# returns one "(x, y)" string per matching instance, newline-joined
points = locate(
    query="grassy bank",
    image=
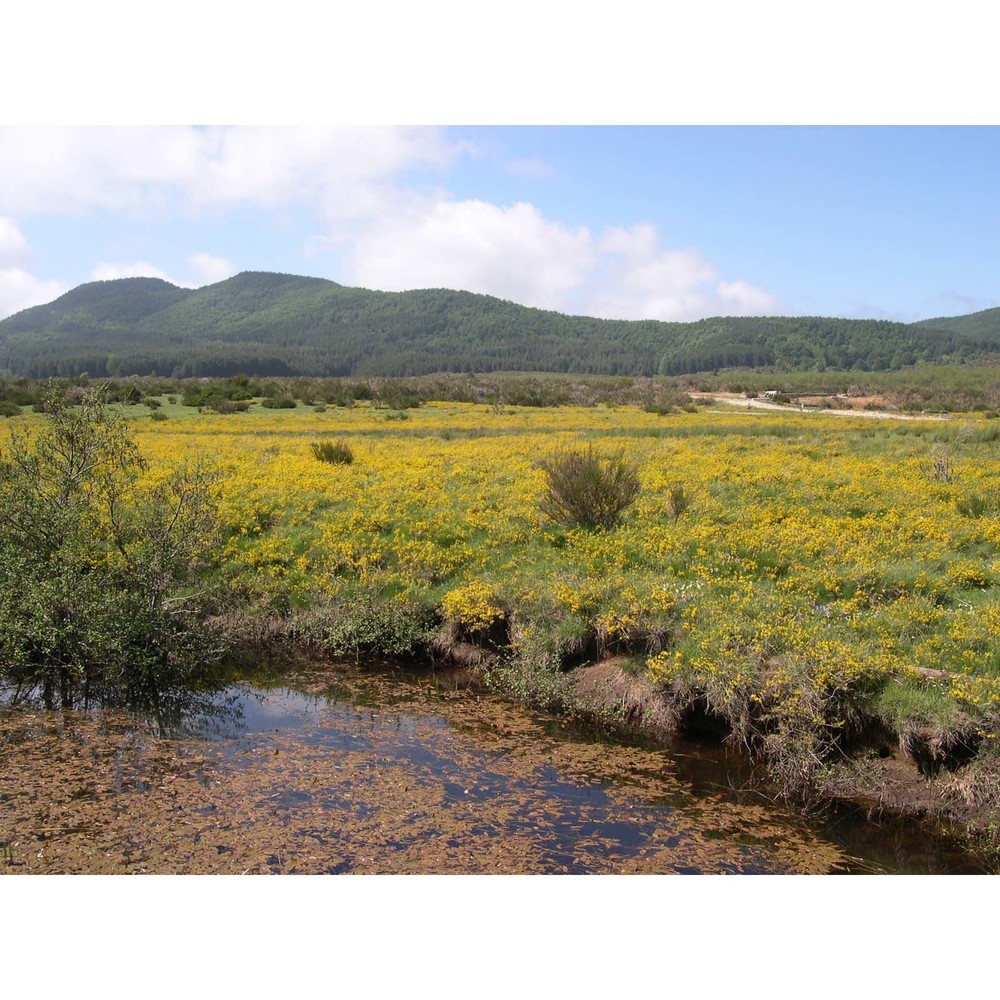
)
(823, 589)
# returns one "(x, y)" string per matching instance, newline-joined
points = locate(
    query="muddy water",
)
(346, 770)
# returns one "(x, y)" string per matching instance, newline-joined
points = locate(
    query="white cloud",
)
(139, 169)
(516, 253)
(14, 247)
(640, 279)
(513, 252)
(135, 269)
(342, 170)
(744, 299)
(208, 270)
(21, 290)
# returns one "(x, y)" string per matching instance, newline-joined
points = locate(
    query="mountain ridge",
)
(273, 323)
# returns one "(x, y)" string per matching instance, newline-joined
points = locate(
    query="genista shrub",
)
(587, 490)
(334, 452)
(678, 500)
(818, 554)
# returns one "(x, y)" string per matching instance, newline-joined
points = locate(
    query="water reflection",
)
(169, 711)
(366, 771)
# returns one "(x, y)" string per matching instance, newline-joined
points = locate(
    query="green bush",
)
(678, 500)
(9, 409)
(220, 404)
(588, 490)
(334, 452)
(366, 622)
(395, 398)
(972, 505)
(279, 403)
(96, 572)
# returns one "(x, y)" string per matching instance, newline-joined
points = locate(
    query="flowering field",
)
(810, 547)
(797, 573)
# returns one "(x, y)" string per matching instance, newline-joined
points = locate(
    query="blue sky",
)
(662, 222)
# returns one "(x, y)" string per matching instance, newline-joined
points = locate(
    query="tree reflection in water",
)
(168, 709)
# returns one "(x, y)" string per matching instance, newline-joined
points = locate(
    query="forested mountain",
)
(982, 326)
(280, 324)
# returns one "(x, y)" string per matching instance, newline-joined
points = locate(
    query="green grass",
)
(905, 703)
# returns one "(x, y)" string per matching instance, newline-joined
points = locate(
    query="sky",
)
(628, 222)
(750, 159)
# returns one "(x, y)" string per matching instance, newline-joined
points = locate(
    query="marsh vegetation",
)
(823, 590)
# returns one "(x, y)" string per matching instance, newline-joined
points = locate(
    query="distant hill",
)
(983, 326)
(281, 324)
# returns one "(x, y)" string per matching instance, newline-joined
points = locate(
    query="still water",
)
(352, 770)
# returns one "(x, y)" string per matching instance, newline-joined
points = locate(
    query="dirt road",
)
(738, 399)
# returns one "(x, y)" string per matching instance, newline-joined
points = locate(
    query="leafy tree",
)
(95, 565)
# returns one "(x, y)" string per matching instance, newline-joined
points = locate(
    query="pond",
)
(348, 769)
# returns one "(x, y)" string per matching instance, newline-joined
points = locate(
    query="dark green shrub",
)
(99, 576)
(219, 404)
(972, 505)
(157, 415)
(678, 500)
(9, 409)
(279, 403)
(339, 399)
(21, 395)
(588, 490)
(334, 452)
(395, 398)
(366, 622)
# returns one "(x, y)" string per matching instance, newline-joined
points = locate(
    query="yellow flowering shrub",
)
(817, 553)
(475, 605)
